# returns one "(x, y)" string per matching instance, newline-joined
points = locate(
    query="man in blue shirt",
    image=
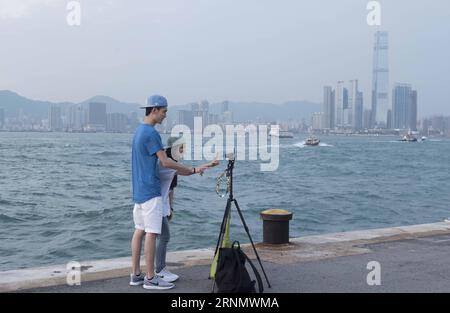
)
(147, 214)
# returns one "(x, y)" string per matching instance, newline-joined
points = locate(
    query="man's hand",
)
(213, 163)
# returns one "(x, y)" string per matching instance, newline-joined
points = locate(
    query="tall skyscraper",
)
(117, 122)
(413, 111)
(97, 116)
(317, 121)
(227, 114)
(380, 80)
(367, 118)
(355, 106)
(328, 107)
(186, 117)
(199, 110)
(225, 106)
(54, 118)
(404, 107)
(76, 119)
(204, 106)
(358, 111)
(339, 104)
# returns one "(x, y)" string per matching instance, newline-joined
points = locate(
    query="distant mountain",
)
(242, 111)
(13, 103)
(113, 105)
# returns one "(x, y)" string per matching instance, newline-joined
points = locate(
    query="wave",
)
(109, 153)
(302, 144)
(17, 203)
(8, 219)
(6, 202)
(98, 213)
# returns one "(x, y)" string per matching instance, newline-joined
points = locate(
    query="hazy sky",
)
(246, 50)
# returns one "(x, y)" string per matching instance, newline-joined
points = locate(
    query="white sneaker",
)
(167, 276)
(157, 283)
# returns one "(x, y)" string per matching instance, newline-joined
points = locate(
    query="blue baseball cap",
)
(155, 101)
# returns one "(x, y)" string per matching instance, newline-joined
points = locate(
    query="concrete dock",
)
(400, 259)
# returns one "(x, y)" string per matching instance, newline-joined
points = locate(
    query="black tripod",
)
(226, 216)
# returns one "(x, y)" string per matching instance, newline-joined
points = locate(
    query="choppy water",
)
(67, 196)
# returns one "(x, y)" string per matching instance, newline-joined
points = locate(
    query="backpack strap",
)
(236, 256)
(258, 277)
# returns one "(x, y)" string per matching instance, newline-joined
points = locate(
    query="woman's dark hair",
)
(169, 153)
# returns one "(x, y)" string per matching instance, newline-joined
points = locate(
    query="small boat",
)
(312, 141)
(408, 138)
(424, 138)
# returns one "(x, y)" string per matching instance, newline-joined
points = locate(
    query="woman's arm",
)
(210, 164)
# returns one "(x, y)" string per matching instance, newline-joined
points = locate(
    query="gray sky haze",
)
(247, 50)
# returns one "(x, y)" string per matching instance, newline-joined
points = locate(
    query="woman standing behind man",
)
(168, 178)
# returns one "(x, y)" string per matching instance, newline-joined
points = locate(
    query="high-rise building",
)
(355, 108)
(76, 118)
(339, 104)
(437, 123)
(367, 119)
(389, 120)
(413, 111)
(380, 80)
(2, 118)
(204, 107)
(316, 122)
(225, 106)
(404, 107)
(352, 96)
(134, 120)
(54, 118)
(328, 108)
(117, 122)
(227, 114)
(195, 108)
(97, 116)
(199, 110)
(213, 118)
(358, 111)
(186, 117)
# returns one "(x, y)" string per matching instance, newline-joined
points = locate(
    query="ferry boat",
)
(312, 141)
(409, 138)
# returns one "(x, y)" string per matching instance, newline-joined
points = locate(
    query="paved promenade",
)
(411, 259)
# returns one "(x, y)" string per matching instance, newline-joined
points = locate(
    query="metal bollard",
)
(276, 226)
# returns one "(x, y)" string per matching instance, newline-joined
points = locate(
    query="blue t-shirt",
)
(145, 171)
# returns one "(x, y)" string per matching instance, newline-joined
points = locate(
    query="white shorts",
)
(147, 216)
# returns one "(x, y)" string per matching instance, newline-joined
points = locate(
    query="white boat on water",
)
(408, 138)
(312, 141)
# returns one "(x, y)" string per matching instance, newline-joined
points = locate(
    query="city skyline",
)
(98, 117)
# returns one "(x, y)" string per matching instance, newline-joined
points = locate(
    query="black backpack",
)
(231, 274)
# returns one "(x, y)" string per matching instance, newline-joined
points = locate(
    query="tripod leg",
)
(219, 241)
(223, 225)
(253, 245)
